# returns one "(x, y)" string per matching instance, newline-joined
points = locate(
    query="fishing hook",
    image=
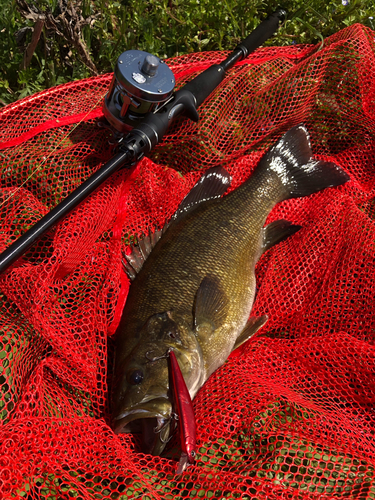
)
(156, 358)
(158, 430)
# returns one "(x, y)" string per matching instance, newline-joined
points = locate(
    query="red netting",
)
(292, 413)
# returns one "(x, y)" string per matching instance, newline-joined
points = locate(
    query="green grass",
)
(164, 27)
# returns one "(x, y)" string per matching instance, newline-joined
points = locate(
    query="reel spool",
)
(141, 83)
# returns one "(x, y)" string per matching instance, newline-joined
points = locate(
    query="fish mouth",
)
(152, 419)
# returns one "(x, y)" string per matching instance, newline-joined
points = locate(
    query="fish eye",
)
(135, 377)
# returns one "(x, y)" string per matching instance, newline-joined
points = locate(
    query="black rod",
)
(146, 135)
(26, 240)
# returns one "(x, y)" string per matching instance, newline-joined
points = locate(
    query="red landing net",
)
(292, 413)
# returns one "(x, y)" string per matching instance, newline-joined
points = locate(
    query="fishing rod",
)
(139, 108)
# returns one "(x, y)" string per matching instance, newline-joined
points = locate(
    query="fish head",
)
(141, 399)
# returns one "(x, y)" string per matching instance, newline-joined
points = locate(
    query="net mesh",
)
(292, 413)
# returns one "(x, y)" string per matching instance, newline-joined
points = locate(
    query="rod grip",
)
(262, 32)
(203, 84)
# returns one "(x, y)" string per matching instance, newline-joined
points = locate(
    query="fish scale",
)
(193, 293)
(168, 290)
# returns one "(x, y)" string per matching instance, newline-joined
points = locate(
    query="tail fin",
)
(291, 160)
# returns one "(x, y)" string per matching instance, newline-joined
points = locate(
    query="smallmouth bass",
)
(194, 286)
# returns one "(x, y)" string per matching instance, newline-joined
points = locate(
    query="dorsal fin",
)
(133, 261)
(211, 185)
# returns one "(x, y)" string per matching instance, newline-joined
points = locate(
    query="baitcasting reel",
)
(141, 84)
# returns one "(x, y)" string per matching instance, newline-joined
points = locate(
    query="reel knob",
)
(150, 65)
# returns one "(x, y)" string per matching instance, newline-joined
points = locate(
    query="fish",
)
(193, 283)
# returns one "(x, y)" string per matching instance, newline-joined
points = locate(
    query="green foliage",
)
(163, 27)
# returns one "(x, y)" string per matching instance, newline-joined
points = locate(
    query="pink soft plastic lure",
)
(185, 412)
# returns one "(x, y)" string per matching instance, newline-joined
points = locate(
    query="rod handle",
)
(262, 32)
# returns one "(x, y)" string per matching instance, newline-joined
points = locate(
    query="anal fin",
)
(277, 231)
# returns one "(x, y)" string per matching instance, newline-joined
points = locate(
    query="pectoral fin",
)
(252, 326)
(211, 306)
(276, 232)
